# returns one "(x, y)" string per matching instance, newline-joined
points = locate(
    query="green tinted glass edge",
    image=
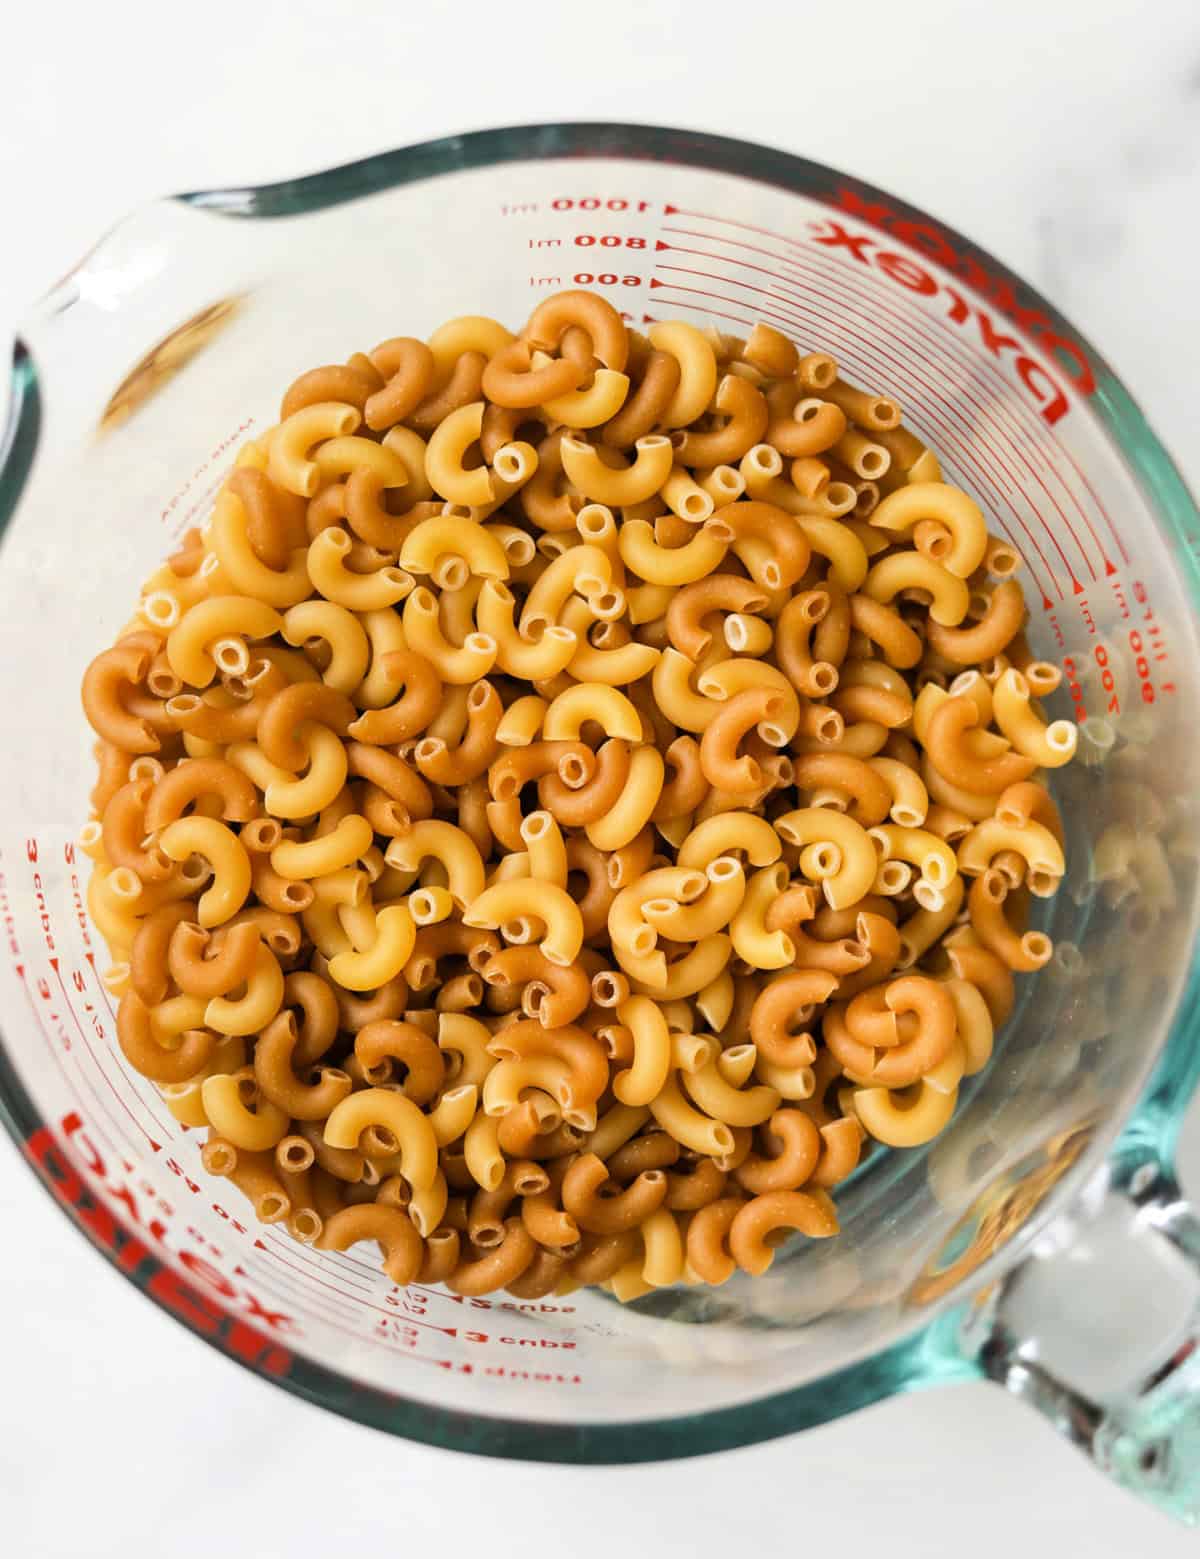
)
(931, 1355)
(19, 436)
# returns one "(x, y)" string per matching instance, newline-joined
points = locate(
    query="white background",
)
(1062, 134)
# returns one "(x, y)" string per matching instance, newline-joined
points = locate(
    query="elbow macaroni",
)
(609, 723)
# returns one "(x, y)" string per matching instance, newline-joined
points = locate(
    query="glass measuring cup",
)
(1041, 1240)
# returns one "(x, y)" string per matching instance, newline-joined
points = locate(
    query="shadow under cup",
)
(136, 381)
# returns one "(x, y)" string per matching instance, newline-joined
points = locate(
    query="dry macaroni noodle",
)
(395, 987)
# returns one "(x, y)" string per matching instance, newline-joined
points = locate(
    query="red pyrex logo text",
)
(129, 1252)
(1044, 388)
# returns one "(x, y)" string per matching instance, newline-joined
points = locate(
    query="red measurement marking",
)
(305, 1302)
(1010, 410)
(999, 409)
(836, 235)
(155, 1146)
(746, 227)
(1072, 680)
(344, 1258)
(606, 279)
(79, 910)
(914, 317)
(1116, 534)
(944, 326)
(134, 1082)
(957, 314)
(904, 372)
(192, 1304)
(214, 454)
(1107, 681)
(498, 1370)
(297, 1248)
(901, 365)
(715, 238)
(311, 1277)
(974, 363)
(1154, 645)
(949, 418)
(883, 352)
(1051, 399)
(169, 1129)
(717, 313)
(46, 920)
(518, 1342)
(137, 1085)
(605, 240)
(970, 439)
(410, 1319)
(530, 1307)
(393, 1328)
(998, 291)
(108, 1135)
(100, 985)
(948, 438)
(707, 254)
(448, 1331)
(404, 1299)
(299, 1292)
(597, 202)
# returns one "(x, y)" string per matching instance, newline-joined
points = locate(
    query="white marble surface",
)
(1066, 138)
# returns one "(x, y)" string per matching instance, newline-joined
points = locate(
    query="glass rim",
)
(928, 1351)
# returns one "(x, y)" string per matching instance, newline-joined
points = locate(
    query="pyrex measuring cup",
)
(1040, 1240)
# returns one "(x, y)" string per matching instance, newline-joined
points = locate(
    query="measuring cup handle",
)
(1100, 1331)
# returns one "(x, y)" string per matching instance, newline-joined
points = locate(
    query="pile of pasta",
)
(576, 793)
